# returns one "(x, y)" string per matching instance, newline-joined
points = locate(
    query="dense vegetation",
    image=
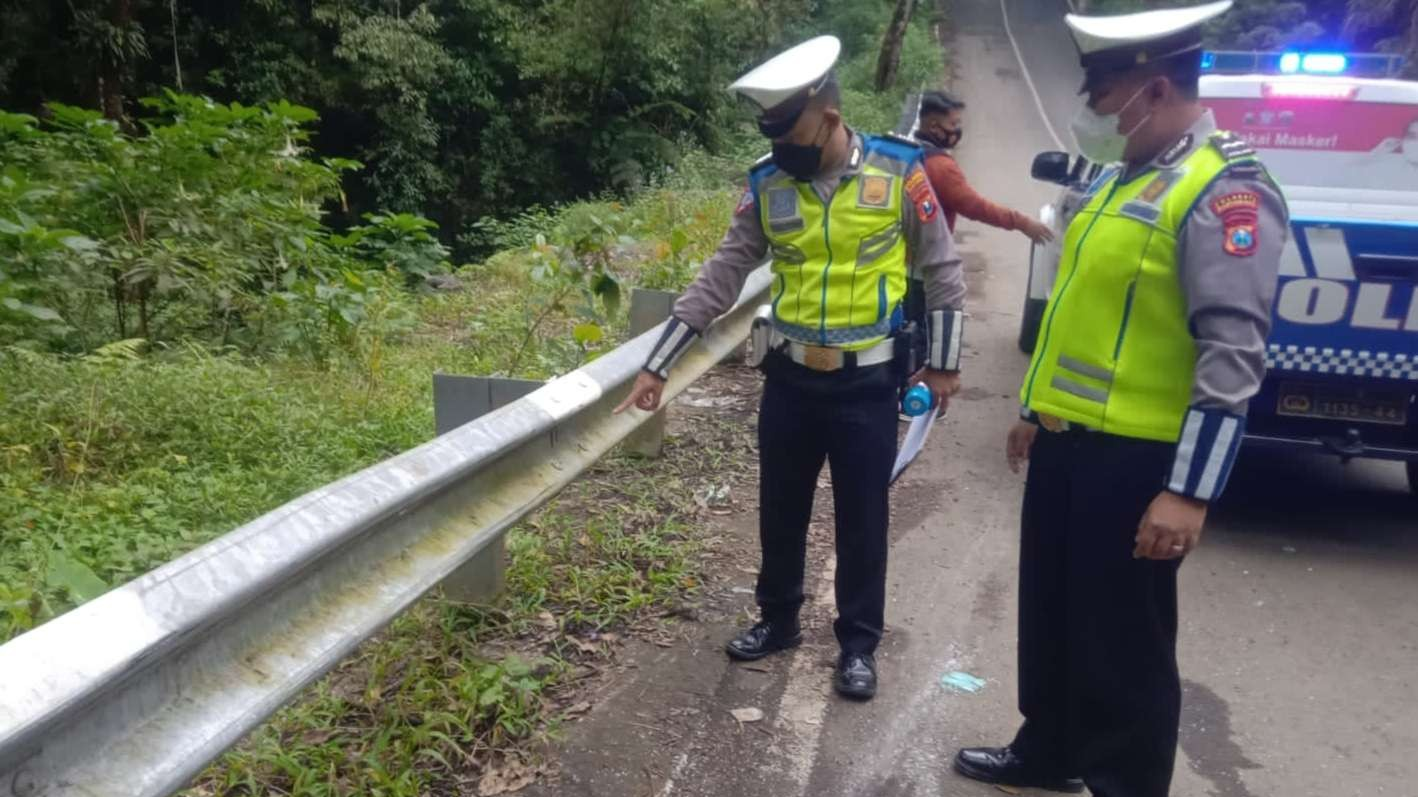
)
(459, 109)
(193, 329)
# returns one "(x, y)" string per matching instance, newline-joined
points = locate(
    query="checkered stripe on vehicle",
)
(1346, 362)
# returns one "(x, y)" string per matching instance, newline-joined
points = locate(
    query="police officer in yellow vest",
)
(846, 216)
(1134, 406)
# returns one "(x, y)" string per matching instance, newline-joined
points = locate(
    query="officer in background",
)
(844, 215)
(941, 126)
(1134, 406)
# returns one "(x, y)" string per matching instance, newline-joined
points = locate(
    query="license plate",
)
(1313, 401)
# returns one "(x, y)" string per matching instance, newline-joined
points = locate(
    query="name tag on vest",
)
(783, 213)
(1141, 211)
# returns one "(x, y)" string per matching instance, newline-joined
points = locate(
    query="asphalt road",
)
(1299, 641)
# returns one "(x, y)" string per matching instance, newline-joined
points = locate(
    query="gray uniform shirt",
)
(930, 251)
(1228, 294)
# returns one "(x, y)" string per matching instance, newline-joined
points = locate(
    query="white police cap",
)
(782, 85)
(1117, 43)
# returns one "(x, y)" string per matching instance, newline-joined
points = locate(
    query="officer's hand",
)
(1171, 527)
(645, 394)
(1017, 445)
(1037, 231)
(942, 384)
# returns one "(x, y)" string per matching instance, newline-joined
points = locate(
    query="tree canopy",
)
(457, 108)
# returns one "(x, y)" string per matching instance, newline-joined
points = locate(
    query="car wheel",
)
(1412, 475)
(1029, 323)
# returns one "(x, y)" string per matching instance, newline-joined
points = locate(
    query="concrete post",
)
(456, 401)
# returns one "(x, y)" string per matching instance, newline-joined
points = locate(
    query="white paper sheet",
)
(915, 440)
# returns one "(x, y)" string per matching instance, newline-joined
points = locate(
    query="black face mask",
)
(950, 140)
(800, 161)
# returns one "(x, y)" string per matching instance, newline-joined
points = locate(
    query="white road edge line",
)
(802, 708)
(1029, 81)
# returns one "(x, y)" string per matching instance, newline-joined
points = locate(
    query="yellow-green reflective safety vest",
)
(839, 267)
(1115, 352)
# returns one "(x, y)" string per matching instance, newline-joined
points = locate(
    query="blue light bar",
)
(1298, 62)
(1324, 63)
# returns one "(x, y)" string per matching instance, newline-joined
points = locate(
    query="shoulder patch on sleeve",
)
(916, 183)
(1239, 212)
(745, 202)
(918, 190)
(1235, 201)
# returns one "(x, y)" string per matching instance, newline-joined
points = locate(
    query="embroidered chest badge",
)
(1238, 212)
(874, 192)
(782, 203)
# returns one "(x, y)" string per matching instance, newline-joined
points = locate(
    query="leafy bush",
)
(208, 226)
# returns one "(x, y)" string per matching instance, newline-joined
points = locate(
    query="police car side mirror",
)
(1051, 167)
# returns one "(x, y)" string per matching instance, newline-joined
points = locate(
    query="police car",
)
(1340, 135)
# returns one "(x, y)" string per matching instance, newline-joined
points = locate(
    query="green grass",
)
(452, 689)
(115, 463)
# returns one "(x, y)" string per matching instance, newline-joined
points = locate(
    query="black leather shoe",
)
(856, 676)
(1001, 766)
(762, 639)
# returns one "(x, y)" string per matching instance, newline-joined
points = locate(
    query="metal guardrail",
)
(910, 118)
(135, 692)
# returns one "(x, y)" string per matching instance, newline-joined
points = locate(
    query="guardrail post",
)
(460, 399)
(456, 401)
(647, 309)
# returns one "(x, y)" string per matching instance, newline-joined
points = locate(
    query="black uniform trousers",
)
(848, 418)
(1098, 681)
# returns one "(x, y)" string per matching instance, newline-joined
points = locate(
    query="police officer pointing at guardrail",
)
(846, 217)
(1134, 404)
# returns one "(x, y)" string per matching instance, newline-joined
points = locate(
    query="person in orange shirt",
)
(940, 130)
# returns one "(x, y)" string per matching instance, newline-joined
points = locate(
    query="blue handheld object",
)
(918, 401)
